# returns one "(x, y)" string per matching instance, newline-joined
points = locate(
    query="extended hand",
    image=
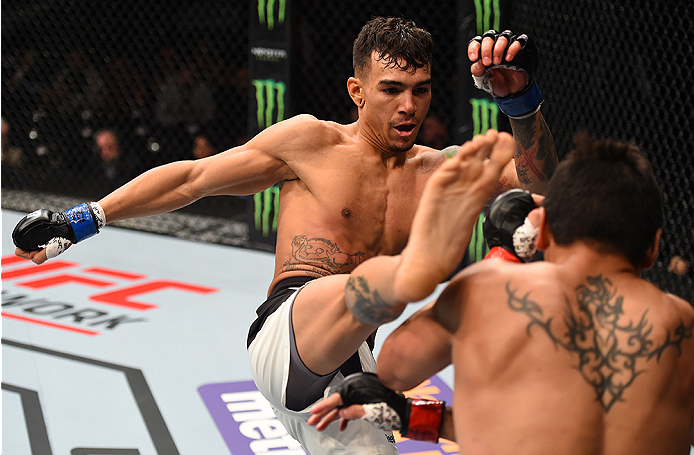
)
(327, 411)
(43, 234)
(387, 410)
(504, 65)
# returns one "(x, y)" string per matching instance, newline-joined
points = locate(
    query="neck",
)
(582, 256)
(374, 142)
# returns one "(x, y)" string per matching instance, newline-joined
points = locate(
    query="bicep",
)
(416, 350)
(254, 166)
(240, 171)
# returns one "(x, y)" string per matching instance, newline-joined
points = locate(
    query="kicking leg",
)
(380, 288)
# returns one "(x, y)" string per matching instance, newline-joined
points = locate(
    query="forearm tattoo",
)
(611, 349)
(535, 154)
(366, 304)
(320, 257)
(502, 186)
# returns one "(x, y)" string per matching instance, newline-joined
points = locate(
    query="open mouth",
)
(405, 129)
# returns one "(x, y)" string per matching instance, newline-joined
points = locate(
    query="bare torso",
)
(348, 204)
(603, 348)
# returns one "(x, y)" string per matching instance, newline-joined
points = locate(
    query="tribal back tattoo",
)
(611, 348)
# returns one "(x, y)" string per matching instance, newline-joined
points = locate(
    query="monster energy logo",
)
(266, 12)
(483, 12)
(267, 204)
(269, 96)
(478, 248)
(484, 115)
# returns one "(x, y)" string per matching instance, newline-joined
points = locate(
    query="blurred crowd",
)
(87, 124)
(94, 122)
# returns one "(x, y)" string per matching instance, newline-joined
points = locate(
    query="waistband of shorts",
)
(279, 295)
(288, 283)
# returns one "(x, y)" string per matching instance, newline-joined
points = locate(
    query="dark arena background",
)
(174, 78)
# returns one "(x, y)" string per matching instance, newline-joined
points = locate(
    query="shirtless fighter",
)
(573, 355)
(348, 193)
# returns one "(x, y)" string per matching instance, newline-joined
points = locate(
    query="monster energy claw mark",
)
(266, 204)
(268, 95)
(266, 12)
(478, 248)
(484, 115)
(483, 12)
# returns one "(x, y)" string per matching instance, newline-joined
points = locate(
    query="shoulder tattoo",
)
(611, 348)
(450, 151)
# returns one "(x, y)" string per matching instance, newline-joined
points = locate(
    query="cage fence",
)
(95, 93)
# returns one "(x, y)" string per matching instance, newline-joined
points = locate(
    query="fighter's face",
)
(395, 104)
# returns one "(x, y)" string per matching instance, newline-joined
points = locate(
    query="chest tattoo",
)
(321, 253)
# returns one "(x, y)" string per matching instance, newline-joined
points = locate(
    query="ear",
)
(544, 236)
(356, 91)
(652, 253)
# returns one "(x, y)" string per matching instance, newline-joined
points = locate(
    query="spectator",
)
(678, 265)
(185, 99)
(11, 155)
(167, 64)
(183, 105)
(24, 84)
(76, 87)
(75, 96)
(111, 167)
(126, 89)
(435, 131)
(202, 147)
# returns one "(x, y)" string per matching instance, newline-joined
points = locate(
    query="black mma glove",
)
(526, 102)
(58, 230)
(387, 410)
(508, 233)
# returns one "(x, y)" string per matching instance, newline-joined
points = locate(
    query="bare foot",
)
(452, 200)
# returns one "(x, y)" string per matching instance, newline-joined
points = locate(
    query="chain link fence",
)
(623, 70)
(169, 80)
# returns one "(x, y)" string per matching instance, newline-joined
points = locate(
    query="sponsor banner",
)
(246, 421)
(266, 210)
(476, 112)
(248, 426)
(269, 90)
(117, 297)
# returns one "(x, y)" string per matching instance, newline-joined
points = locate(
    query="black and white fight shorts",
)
(291, 388)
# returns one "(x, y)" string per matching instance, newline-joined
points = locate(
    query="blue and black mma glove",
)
(56, 231)
(388, 410)
(527, 101)
(508, 232)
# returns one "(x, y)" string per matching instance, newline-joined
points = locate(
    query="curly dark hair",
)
(605, 192)
(397, 41)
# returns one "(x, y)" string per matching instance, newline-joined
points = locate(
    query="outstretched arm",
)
(246, 169)
(504, 65)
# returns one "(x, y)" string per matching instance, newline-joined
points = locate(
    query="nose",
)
(407, 105)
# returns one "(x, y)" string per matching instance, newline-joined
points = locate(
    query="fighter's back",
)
(578, 357)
